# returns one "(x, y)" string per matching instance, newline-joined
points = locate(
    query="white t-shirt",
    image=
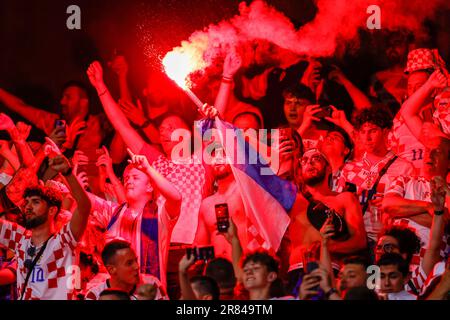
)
(53, 276)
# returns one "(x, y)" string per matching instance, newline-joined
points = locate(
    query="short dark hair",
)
(89, 261)
(408, 241)
(361, 260)
(80, 85)
(221, 270)
(347, 140)
(361, 293)
(111, 248)
(206, 285)
(50, 195)
(263, 257)
(120, 294)
(395, 259)
(377, 115)
(299, 91)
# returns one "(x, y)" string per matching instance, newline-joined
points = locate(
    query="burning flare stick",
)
(178, 66)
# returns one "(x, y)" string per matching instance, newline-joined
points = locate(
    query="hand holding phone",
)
(222, 217)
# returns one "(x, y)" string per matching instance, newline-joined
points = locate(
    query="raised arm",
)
(115, 115)
(236, 249)
(412, 107)
(104, 162)
(18, 135)
(438, 197)
(360, 100)
(231, 65)
(80, 217)
(120, 66)
(185, 285)
(32, 114)
(160, 184)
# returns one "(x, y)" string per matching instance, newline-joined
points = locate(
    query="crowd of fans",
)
(104, 209)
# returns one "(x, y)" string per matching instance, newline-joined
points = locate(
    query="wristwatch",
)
(439, 212)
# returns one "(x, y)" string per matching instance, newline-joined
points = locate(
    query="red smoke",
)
(336, 21)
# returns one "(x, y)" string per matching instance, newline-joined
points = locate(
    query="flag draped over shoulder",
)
(266, 197)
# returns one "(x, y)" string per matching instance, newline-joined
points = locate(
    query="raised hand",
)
(95, 74)
(309, 286)
(51, 150)
(134, 113)
(232, 232)
(105, 160)
(139, 161)
(337, 75)
(76, 128)
(5, 122)
(439, 191)
(83, 179)
(231, 64)
(186, 263)
(309, 115)
(437, 80)
(23, 130)
(337, 117)
(59, 163)
(208, 111)
(327, 230)
(119, 65)
(79, 159)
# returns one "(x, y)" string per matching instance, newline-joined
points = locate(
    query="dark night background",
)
(39, 54)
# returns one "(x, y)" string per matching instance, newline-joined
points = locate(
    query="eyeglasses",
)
(387, 247)
(29, 262)
(313, 159)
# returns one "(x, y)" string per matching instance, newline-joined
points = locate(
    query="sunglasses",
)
(31, 253)
(387, 247)
(314, 159)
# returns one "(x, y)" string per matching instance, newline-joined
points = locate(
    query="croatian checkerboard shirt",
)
(53, 276)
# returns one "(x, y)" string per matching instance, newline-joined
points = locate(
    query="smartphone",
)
(325, 111)
(60, 124)
(311, 266)
(222, 217)
(286, 132)
(203, 253)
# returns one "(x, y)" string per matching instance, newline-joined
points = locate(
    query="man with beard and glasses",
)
(227, 192)
(46, 258)
(316, 205)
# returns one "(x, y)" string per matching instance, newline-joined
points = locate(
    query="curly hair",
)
(408, 241)
(378, 115)
(50, 195)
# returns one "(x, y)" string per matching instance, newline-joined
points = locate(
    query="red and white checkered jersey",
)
(415, 188)
(403, 143)
(433, 278)
(128, 227)
(364, 174)
(442, 114)
(53, 277)
(94, 293)
(191, 181)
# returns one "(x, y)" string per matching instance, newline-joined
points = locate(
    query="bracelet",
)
(330, 292)
(67, 173)
(146, 124)
(103, 93)
(227, 79)
(439, 212)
